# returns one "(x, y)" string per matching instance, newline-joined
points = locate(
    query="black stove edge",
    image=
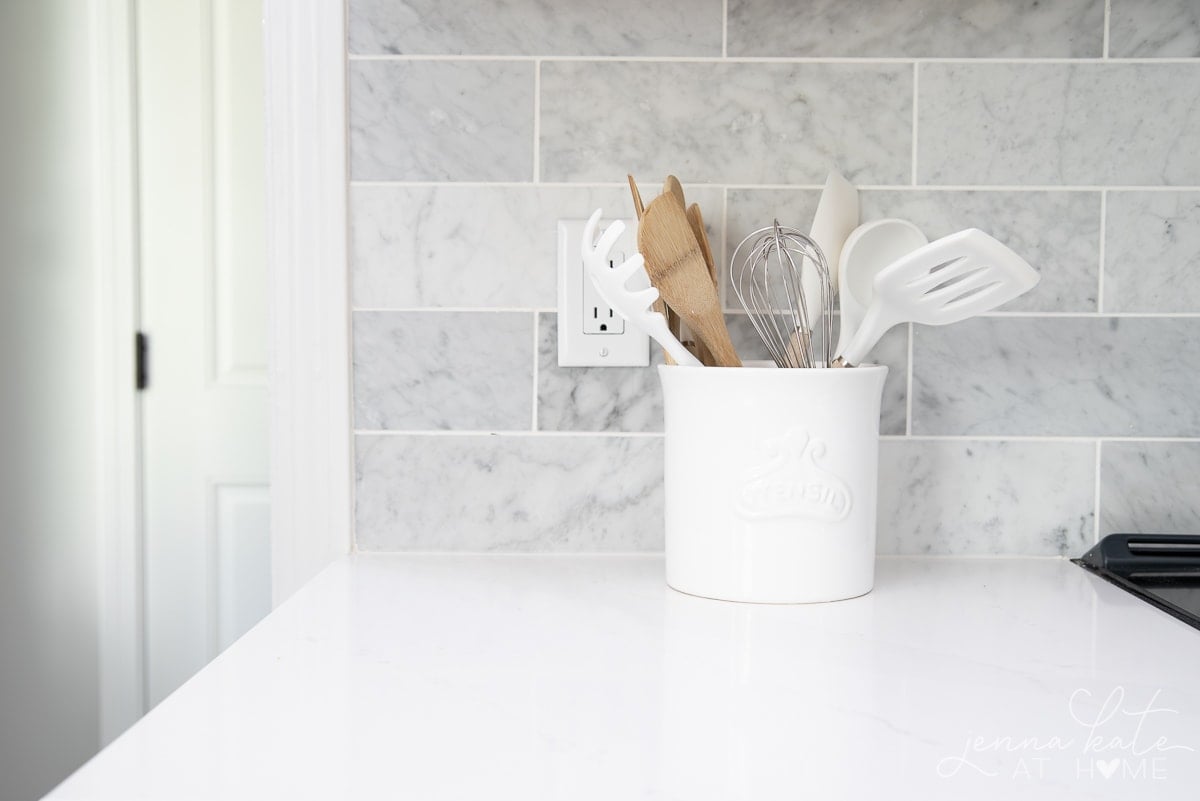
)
(1117, 556)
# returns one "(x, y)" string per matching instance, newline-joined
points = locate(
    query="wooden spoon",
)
(659, 305)
(677, 268)
(672, 187)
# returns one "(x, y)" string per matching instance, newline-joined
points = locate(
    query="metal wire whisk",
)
(776, 272)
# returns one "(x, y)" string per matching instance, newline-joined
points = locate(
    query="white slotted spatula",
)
(613, 285)
(956, 277)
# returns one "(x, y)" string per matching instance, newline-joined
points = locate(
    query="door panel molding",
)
(308, 292)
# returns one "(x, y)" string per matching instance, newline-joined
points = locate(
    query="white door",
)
(204, 311)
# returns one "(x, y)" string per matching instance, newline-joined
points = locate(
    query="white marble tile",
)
(1072, 124)
(536, 27)
(476, 246)
(1057, 232)
(421, 371)
(595, 398)
(1152, 252)
(441, 120)
(754, 123)
(969, 497)
(917, 28)
(1149, 488)
(1154, 29)
(508, 493)
(1046, 376)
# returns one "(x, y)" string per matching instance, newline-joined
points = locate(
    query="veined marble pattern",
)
(595, 398)
(509, 493)
(1081, 124)
(441, 120)
(726, 122)
(1152, 252)
(478, 246)
(1065, 376)
(421, 371)
(1154, 29)
(1149, 488)
(1057, 232)
(917, 28)
(966, 497)
(536, 27)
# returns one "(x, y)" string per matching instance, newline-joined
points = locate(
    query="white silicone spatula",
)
(836, 218)
(956, 277)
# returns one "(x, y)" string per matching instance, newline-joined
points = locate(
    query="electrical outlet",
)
(590, 333)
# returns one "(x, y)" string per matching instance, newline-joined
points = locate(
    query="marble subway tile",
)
(432, 370)
(960, 497)
(917, 28)
(1057, 232)
(753, 123)
(441, 120)
(1154, 29)
(595, 398)
(1149, 488)
(508, 493)
(1065, 376)
(1080, 124)
(1152, 252)
(535, 27)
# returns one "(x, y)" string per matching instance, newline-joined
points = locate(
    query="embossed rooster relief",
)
(792, 483)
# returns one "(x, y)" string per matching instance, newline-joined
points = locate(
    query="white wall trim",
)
(115, 215)
(304, 55)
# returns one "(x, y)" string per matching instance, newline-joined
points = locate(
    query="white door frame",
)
(309, 329)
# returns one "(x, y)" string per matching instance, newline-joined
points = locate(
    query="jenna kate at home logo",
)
(791, 481)
(1118, 737)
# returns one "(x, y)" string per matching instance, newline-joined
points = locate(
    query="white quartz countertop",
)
(584, 677)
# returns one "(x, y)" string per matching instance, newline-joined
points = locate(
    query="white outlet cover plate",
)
(582, 313)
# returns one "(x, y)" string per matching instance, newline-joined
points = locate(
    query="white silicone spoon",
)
(956, 277)
(632, 304)
(869, 248)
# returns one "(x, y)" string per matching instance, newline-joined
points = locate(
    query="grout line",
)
(725, 29)
(1033, 438)
(1096, 532)
(537, 121)
(581, 185)
(1017, 315)
(512, 433)
(833, 60)
(916, 79)
(1107, 21)
(1103, 244)
(534, 422)
(722, 269)
(908, 392)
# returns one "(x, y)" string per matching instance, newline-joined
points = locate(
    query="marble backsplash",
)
(1070, 130)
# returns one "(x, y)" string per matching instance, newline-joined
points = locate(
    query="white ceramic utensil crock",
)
(771, 481)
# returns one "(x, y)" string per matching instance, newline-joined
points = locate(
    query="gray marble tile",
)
(441, 120)
(1057, 232)
(595, 398)
(1066, 376)
(892, 350)
(1152, 252)
(421, 371)
(508, 493)
(917, 28)
(1149, 488)
(754, 123)
(536, 27)
(1154, 29)
(472, 246)
(1072, 124)
(970, 497)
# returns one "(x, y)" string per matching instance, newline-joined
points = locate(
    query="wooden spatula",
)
(677, 268)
